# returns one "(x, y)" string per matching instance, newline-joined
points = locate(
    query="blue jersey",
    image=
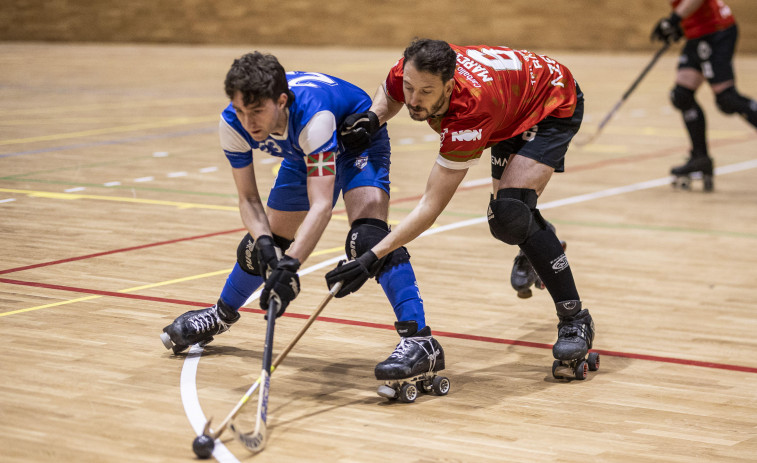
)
(321, 103)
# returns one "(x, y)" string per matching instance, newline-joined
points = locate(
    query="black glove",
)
(283, 284)
(354, 273)
(357, 130)
(268, 255)
(668, 29)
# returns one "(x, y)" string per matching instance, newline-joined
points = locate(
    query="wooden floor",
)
(118, 213)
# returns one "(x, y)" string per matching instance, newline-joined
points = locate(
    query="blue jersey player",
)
(296, 116)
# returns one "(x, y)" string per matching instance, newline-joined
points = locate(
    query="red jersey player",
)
(711, 34)
(527, 108)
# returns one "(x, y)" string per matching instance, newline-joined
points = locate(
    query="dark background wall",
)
(535, 24)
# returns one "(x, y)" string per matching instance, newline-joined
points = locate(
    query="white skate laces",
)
(207, 320)
(406, 344)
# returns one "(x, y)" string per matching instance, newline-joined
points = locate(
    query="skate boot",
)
(198, 326)
(695, 167)
(412, 367)
(575, 335)
(523, 275)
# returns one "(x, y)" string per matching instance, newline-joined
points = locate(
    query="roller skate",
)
(523, 275)
(574, 339)
(198, 326)
(696, 167)
(411, 368)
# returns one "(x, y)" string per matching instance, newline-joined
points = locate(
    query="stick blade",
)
(255, 441)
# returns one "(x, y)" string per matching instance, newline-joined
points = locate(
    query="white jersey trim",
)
(231, 140)
(456, 165)
(317, 132)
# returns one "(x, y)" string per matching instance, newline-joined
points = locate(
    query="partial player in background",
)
(527, 108)
(295, 116)
(711, 34)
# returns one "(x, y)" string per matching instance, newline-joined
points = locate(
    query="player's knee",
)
(730, 101)
(682, 98)
(247, 253)
(363, 235)
(512, 215)
(366, 233)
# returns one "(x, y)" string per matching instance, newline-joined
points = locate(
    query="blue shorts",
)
(546, 142)
(369, 168)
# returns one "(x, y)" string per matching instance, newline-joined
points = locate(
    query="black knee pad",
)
(513, 216)
(731, 102)
(682, 98)
(366, 233)
(247, 254)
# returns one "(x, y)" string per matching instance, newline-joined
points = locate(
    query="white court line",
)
(188, 385)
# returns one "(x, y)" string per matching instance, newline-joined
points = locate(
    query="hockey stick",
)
(625, 96)
(246, 397)
(256, 442)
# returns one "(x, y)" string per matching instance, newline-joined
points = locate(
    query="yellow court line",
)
(125, 104)
(54, 304)
(109, 130)
(152, 285)
(180, 205)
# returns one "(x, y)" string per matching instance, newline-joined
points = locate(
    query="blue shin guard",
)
(239, 287)
(401, 289)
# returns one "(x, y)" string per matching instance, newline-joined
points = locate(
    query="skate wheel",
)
(408, 393)
(582, 370)
(593, 361)
(166, 340)
(440, 385)
(525, 293)
(424, 386)
(388, 392)
(555, 366)
(177, 349)
(708, 184)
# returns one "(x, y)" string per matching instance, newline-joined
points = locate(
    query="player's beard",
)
(421, 113)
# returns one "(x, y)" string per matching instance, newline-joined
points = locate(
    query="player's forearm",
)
(253, 216)
(441, 186)
(384, 106)
(686, 7)
(310, 231)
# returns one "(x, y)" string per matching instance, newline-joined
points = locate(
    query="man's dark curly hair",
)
(432, 56)
(258, 77)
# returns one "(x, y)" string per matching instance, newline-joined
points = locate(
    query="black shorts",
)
(711, 54)
(546, 142)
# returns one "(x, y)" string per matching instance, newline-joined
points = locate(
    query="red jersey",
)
(498, 93)
(710, 17)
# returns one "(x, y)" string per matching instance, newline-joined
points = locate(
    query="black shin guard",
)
(693, 117)
(548, 258)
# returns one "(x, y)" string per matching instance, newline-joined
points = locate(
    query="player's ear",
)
(449, 86)
(282, 101)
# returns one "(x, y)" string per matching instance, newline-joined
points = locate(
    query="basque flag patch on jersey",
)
(321, 164)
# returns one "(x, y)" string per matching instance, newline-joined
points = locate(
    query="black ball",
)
(203, 446)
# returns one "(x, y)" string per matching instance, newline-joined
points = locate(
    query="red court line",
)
(342, 321)
(115, 251)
